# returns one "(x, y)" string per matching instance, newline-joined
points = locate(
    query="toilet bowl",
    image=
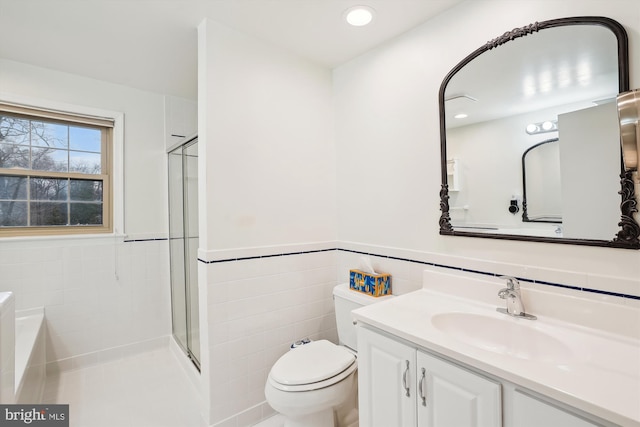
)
(309, 383)
(316, 385)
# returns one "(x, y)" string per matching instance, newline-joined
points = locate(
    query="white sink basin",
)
(506, 336)
(562, 354)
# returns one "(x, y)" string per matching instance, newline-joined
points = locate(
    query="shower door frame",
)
(186, 344)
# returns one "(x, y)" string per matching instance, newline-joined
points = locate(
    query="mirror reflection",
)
(541, 185)
(558, 83)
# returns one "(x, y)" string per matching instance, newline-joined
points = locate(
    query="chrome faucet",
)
(512, 295)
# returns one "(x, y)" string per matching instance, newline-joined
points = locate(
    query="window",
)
(55, 172)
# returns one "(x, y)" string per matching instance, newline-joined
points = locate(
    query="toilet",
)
(316, 384)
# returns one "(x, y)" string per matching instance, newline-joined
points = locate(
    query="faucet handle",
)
(512, 282)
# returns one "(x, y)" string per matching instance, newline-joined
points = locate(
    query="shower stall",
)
(183, 246)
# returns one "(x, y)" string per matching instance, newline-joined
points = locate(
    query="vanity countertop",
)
(592, 370)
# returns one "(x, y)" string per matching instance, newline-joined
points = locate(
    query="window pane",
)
(52, 135)
(49, 189)
(13, 188)
(81, 190)
(14, 156)
(47, 159)
(13, 214)
(14, 130)
(85, 162)
(48, 213)
(85, 139)
(86, 214)
(69, 167)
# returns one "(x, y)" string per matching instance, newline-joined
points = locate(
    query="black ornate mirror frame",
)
(628, 236)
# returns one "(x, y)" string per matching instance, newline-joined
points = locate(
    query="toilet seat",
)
(312, 366)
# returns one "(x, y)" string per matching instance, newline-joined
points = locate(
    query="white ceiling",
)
(555, 67)
(152, 44)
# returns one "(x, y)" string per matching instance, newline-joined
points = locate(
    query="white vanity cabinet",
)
(394, 391)
(399, 385)
(451, 396)
(530, 411)
(386, 381)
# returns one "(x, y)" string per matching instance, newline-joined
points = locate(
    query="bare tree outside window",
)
(51, 173)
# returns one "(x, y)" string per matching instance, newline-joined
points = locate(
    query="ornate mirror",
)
(554, 81)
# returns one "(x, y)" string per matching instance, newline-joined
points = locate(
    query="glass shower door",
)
(183, 246)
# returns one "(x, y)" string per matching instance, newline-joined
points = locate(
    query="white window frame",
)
(117, 161)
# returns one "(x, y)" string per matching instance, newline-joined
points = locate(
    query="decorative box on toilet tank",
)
(376, 285)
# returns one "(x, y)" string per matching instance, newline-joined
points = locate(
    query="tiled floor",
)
(275, 421)
(145, 390)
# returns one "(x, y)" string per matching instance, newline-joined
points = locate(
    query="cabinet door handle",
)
(404, 379)
(423, 393)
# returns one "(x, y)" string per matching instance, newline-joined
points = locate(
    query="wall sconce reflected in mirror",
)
(542, 127)
(629, 116)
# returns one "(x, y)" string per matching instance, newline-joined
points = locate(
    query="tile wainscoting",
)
(257, 305)
(104, 297)
(260, 300)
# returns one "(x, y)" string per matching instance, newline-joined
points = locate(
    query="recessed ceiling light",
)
(460, 116)
(359, 16)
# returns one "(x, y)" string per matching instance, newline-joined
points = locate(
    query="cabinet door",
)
(450, 396)
(386, 381)
(531, 412)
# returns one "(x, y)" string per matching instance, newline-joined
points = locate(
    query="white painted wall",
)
(145, 187)
(588, 162)
(103, 297)
(180, 120)
(267, 187)
(387, 118)
(267, 160)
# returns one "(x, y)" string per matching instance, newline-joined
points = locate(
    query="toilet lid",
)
(311, 363)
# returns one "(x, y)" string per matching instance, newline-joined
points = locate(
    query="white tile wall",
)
(256, 309)
(99, 294)
(407, 275)
(7, 347)
(106, 299)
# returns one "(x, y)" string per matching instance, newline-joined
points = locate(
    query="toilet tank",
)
(345, 301)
